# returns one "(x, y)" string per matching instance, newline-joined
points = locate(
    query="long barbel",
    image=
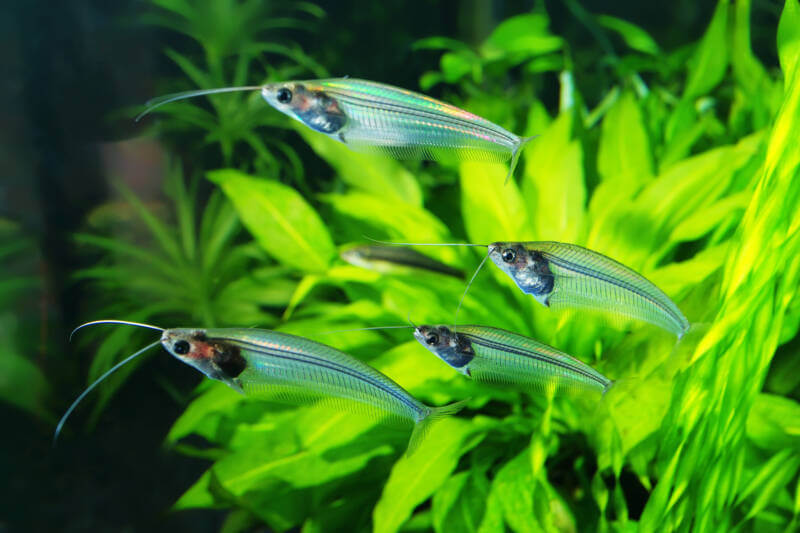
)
(495, 355)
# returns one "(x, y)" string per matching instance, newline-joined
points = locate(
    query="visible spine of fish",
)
(505, 357)
(297, 367)
(587, 279)
(411, 125)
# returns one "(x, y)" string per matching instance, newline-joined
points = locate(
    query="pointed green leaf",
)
(415, 478)
(553, 183)
(707, 65)
(279, 218)
(634, 36)
(624, 153)
(380, 175)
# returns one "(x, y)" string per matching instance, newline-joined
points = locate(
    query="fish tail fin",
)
(423, 426)
(692, 330)
(515, 155)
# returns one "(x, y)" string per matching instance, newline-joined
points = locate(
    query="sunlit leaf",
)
(414, 478)
(707, 65)
(279, 218)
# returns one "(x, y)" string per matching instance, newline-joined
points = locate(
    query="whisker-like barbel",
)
(123, 322)
(96, 382)
(155, 103)
(373, 117)
(466, 290)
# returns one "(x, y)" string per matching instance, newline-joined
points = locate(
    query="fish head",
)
(306, 102)
(452, 348)
(216, 359)
(527, 266)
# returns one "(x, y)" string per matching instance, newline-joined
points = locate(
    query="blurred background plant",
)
(675, 157)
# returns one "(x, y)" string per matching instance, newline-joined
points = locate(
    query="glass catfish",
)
(285, 367)
(492, 355)
(373, 117)
(562, 276)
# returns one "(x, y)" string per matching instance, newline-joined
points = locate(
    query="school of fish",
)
(373, 117)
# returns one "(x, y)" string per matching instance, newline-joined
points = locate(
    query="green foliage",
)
(22, 383)
(685, 169)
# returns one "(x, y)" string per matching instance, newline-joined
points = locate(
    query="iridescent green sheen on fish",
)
(286, 367)
(493, 355)
(373, 117)
(561, 276)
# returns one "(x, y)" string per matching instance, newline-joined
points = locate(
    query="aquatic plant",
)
(687, 171)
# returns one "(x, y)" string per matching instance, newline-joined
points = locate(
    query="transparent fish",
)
(285, 367)
(494, 355)
(385, 259)
(373, 117)
(562, 276)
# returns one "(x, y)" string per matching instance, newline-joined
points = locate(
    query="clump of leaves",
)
(236, 36)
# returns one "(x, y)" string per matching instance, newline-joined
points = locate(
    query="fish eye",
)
(181, 347)
(509, 255)
(284, 95)
(432, 339)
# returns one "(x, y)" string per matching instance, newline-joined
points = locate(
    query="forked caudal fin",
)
(423, 426)
(515, 155)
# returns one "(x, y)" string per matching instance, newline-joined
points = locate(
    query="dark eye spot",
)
(509, 255)
(284, 95)
(432, 339)
(181, 347)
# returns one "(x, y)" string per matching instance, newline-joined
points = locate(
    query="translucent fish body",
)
(373, 117)
(498, 356)
(562, 276)
(282, 366)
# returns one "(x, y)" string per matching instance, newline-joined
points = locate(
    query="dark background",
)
(67, 70)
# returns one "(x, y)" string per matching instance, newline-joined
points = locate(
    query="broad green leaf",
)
(458, 505)
(415, 478)
(707, 218)
(624, 155)
(634, 36)
(774, 422)
(749, 71)
(196, 418)
(528, 34)
(279, 218)
(512, 488)
(789, 40)
(707, 65)
(637, 407)
(400, 221)
(496, 211)
(380, 175)
(553, 183)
